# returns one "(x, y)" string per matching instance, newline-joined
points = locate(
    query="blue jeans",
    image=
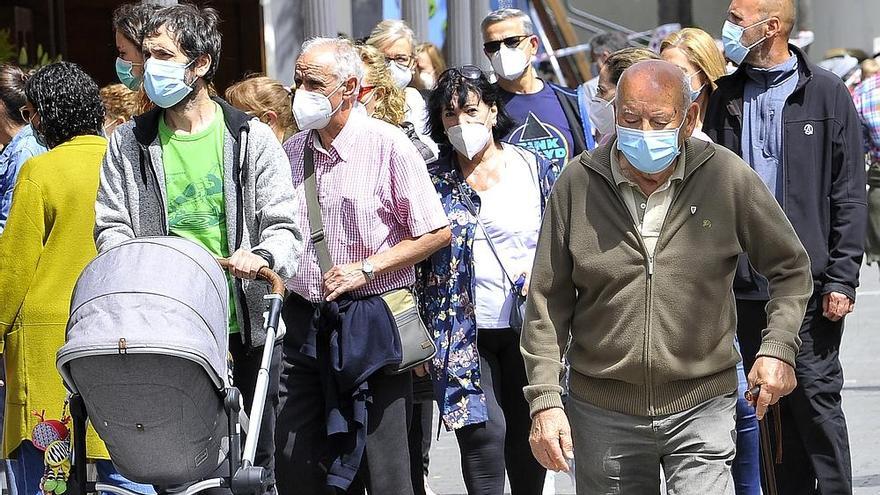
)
(747, 463)
(29, 468)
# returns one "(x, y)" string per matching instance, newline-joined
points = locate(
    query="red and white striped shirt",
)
(374, 191)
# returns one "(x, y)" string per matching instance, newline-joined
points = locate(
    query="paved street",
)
(861, 395)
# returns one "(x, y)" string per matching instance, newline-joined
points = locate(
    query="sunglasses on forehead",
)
(511, 42)
(465, 71)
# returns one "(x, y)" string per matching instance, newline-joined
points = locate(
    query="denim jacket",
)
(22, 147)
(446, 281)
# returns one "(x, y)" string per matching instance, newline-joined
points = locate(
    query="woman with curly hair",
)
(396, 42)
(47, 242)
(384, 100)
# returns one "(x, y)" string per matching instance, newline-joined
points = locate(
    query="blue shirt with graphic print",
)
(542, 127)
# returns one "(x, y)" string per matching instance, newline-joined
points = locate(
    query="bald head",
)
(655, 80)
(785, 10)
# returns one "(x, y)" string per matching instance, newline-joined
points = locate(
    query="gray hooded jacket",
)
(260, 206)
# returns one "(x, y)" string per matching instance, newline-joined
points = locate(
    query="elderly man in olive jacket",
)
(634, 266)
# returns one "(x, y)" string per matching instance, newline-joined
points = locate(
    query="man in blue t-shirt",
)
(553, 120)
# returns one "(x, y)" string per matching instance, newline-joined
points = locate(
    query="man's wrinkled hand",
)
(776, 379)
(245, 264)
(342, 279)
(836, 305)
(550, 439)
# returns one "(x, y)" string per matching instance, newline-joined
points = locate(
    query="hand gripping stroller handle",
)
(264, 274)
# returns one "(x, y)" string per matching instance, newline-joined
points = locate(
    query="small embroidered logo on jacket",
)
(808, 129)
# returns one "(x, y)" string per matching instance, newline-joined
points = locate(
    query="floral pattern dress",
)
(446, 284)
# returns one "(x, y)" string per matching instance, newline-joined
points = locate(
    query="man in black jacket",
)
(554, 121)
(796, 125)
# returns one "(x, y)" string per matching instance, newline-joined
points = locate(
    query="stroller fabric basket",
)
(147, 351)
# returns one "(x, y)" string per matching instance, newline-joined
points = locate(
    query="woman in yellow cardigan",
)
(46, 244)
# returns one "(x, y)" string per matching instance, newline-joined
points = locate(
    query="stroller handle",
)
(265, 273)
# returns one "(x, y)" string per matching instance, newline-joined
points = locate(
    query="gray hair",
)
(389, 31)
(505, 14)
(348, 62)
(610, 42)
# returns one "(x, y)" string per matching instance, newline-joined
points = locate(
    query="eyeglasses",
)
(405, 60)
(465, 71)
(511, 42)
(26, 114)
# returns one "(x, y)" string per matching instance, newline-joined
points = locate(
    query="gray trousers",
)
(617, 453)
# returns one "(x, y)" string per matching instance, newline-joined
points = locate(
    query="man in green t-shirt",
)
(194, 188)
(198, 168)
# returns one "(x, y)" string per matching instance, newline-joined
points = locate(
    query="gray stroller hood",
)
(146, 350)
(154, 295)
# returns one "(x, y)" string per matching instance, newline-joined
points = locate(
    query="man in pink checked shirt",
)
(381, 216)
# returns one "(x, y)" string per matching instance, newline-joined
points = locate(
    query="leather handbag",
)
(416, 344)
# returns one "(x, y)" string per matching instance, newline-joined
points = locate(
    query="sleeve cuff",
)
(847, 290)
(266, 255)
(779, 351)
(544, 401)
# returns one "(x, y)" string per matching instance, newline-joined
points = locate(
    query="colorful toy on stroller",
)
(146, 361)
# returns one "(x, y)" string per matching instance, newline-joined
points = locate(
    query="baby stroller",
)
(146, 362)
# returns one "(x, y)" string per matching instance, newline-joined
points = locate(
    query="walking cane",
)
(767, 460)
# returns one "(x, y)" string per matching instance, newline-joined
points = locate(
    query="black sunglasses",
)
(465, 71)
(511, 42)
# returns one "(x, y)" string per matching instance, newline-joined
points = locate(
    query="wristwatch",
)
(367, 268)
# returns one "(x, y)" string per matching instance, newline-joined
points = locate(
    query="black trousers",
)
(815, 443)
(301, 430)
(245, 367)
(503, 441)
(420, 443)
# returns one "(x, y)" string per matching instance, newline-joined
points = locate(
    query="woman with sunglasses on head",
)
(16, 135)
(494, 195)
(396, 41)
(380, 97)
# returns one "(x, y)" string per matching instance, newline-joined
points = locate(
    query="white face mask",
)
(602, 115)
(427, 79)
(509, 63)
(401, 74)
(313, 110)
(469, 138)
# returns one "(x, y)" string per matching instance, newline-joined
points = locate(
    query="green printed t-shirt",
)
(194, 188)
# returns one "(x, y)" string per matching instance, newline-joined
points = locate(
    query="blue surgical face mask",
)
(731, 35)
(123, 72)
(165, 82)
(649, 152)
(695, 93)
